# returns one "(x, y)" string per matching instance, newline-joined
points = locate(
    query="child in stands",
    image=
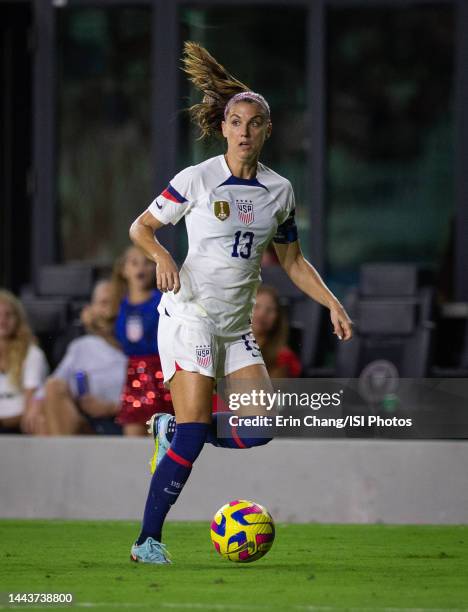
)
(136, 330)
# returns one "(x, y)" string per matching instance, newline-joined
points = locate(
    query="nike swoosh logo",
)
(166, 490)
(158, 205)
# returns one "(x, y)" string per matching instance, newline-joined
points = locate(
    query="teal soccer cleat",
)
(150, 551)
(157, 427)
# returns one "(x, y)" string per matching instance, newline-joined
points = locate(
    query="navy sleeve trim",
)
(173, 195)
(287, 231)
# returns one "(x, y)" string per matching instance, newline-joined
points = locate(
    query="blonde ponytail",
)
(215, 82)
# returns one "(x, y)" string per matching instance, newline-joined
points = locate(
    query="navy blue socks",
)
(222, 434)
(170, 476)
(233, 437)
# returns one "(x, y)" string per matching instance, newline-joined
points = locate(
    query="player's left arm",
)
(305, 276)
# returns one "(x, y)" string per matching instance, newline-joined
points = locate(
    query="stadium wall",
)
(342, 481)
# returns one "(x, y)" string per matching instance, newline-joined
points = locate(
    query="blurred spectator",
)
(270, 328)
(83, 393)
(136, 329)
(23, 367)
(78, 326)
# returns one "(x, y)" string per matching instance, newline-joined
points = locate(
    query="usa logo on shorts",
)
(203, 355)
(245, 211)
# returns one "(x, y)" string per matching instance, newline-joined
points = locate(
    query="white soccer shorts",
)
(198, 350)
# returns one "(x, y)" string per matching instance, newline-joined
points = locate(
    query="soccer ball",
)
(242, 531)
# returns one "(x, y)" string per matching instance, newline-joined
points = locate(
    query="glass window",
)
(103, 92)
(390, 136)
(265, 47)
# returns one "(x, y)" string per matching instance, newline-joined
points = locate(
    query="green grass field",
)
(310, 567)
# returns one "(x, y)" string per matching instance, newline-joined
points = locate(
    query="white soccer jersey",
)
(230, 221)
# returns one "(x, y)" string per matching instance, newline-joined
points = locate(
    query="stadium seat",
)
(46, 314)
(48, 318)
(70, 280)
(388, 280)
(54, 303)
(392, 323)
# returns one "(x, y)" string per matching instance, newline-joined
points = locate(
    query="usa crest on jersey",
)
(221, 209)
(134, 328)
(203, 353)
(245, 211)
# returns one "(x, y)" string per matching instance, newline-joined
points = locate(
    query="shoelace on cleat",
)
(171, 425)
(158, 551)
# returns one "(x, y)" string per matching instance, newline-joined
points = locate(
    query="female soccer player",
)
(233, 207)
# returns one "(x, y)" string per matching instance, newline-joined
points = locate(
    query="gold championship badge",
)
(221, 210)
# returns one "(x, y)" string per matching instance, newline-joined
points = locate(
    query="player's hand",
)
(342, 324)
(167, 274)
(95, 407)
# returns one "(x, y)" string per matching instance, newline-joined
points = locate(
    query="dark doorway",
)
(15, 144)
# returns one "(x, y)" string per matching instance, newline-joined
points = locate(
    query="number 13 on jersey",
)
(243, 249)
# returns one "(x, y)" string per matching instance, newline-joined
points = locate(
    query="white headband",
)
(247, 95)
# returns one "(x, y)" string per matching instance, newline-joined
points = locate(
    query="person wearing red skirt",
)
(136, 330)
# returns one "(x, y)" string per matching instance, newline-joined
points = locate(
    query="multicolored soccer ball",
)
(242, 531)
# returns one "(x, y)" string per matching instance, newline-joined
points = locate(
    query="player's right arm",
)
(169, 207)
(142, 234)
